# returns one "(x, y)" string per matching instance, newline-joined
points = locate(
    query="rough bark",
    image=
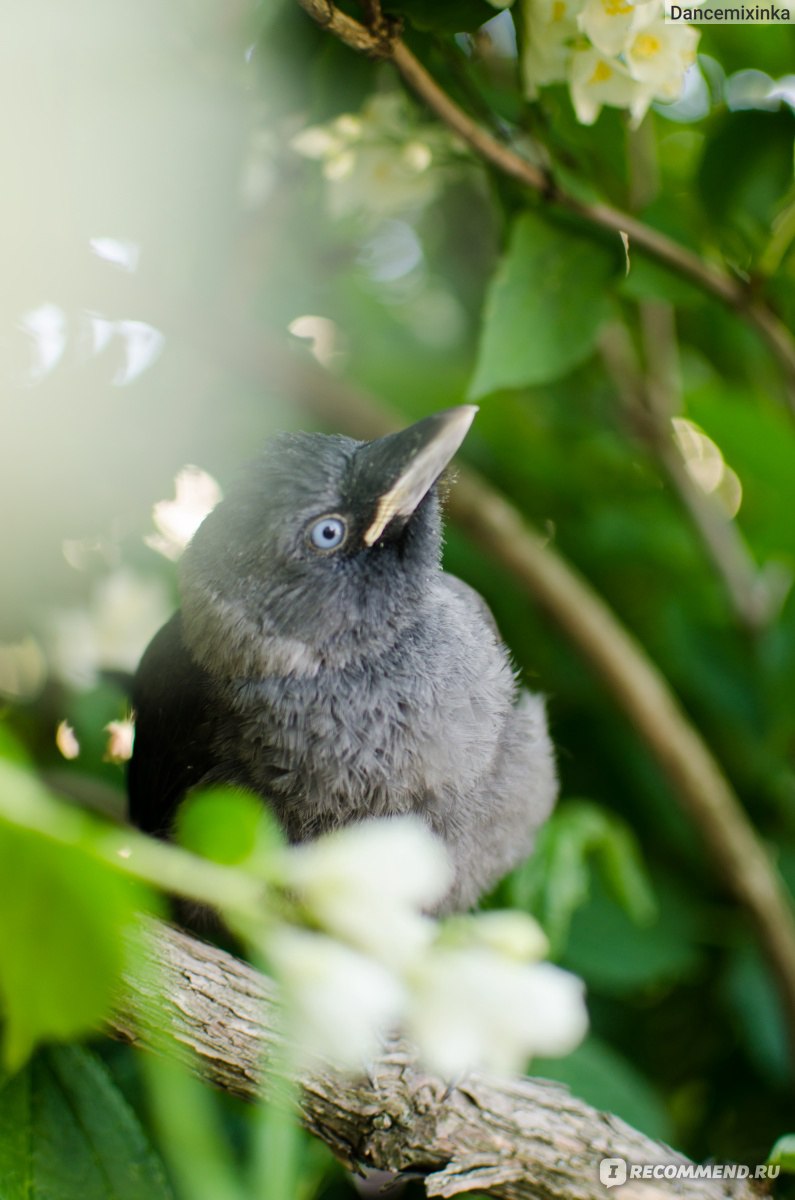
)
(516, 1139)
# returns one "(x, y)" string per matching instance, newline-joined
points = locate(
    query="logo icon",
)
(612, 1172)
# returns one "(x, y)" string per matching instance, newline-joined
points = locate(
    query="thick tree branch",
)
(710, 278)
(516, 1139)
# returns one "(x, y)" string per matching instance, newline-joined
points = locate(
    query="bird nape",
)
(323, 659)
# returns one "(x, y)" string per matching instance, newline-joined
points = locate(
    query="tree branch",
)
(516, 1139)
(710, 278)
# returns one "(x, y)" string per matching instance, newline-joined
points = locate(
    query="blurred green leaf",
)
(190, 1132)
(746, 198)
(227, 825)
(545, 304)
(619, 957)
(783, 1153)
(64, 928)
(556, 881)
(67, 1131)
(754, 1001)
(11, 749)
(649, 280)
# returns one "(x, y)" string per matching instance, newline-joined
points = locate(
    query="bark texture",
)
(520, 1139)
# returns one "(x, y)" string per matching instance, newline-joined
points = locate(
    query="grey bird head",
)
(324, 543)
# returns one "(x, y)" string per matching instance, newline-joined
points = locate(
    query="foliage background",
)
(171, 127)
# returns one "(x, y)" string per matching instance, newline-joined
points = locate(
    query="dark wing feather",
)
(171, 699)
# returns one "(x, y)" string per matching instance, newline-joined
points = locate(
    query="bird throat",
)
(222, 639)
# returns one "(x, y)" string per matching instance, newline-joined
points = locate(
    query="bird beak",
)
(411, 461)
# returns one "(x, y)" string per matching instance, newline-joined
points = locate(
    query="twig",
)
(617, 659)
(711, 279)
(515, 1139)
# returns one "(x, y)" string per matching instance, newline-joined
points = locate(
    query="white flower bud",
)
(473, 1009)
(316, 141)
(337, 1002)
(514, 935)
(369, 883)
(417, 156)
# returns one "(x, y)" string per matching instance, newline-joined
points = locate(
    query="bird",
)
(322, 658)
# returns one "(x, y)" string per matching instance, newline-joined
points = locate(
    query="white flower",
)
(474, 1009)
(514, 935)
(348, 126)
(374, 161)
(368, 884)
(125, 612)
(197, 494)
(630, 58)
(658, 56)
(381, 179)
(339, 166)
(317, 141)
(595, 80)
(417, 156)
(610, 24)
(551, 27)
(338, 1003)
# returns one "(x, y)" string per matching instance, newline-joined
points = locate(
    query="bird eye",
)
(327, 533)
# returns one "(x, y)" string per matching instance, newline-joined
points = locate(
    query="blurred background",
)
(216, 221)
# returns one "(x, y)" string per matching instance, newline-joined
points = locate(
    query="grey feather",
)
(364, 683)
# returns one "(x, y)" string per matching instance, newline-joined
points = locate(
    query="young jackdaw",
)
(323, 659)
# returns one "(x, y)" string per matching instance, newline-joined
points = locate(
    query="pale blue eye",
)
(327, 533)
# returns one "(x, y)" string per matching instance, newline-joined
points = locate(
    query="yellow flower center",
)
(558, 10)
(646, 45)
(616, 8)
(602, 72)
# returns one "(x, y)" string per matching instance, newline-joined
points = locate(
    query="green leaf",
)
(190, 1132)
(545, 304)
(11, 748)
(65, 928)
(783, 1153)
(227, 825)
(759, 1016)
(443, 16)
(557, 879)
(746, 198)
(66, 1131)
(618, 957)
